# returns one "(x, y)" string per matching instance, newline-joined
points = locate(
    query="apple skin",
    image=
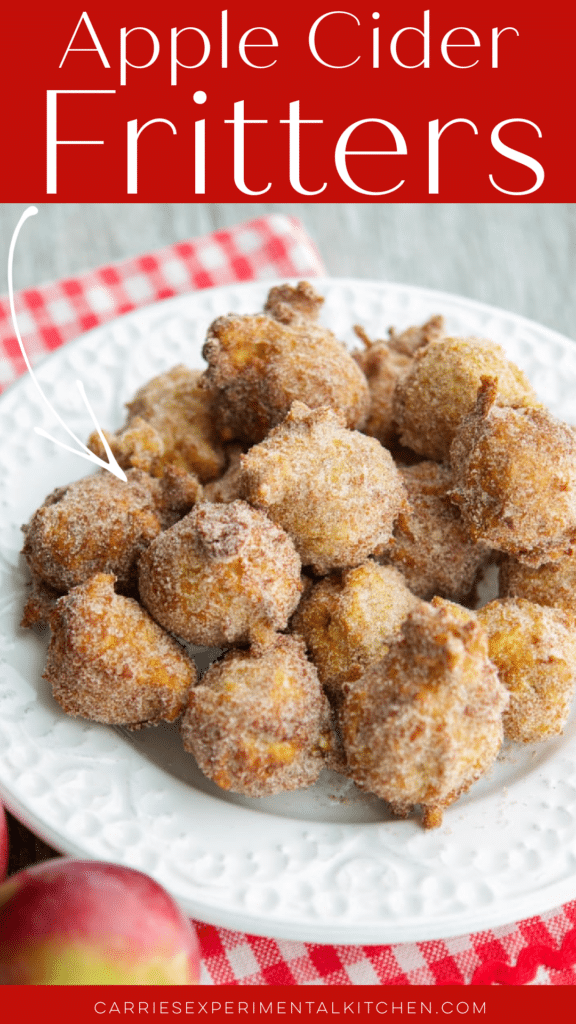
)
(3, 844)
(73, 922)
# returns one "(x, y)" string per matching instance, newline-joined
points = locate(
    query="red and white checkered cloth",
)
(541, 950)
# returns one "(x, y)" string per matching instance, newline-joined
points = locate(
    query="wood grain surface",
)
(521, 257)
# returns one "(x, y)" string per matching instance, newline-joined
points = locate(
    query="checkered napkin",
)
(541, 950)
(269, 247)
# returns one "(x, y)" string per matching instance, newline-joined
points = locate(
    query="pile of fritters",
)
(323, 517)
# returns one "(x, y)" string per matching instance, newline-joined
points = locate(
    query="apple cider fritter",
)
(169, 423)
(383, 363)
(440, 389)
(335, 491)
(225, 574)
(259, 723)
(552, 584)
(534, 650)
(110, 662)
(430, 544)
(514, 473)
(97, 524)
(348, 620)
(425, 722)
(259, 365)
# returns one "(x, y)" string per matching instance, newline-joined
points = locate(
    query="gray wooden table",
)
(518, 256)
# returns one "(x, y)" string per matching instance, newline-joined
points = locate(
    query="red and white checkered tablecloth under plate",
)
(540, 950)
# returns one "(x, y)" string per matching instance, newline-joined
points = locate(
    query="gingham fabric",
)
(269, 247)
(538, 951)
(541, 950)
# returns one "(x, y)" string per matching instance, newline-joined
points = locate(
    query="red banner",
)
(250, 1003)
(245, 101)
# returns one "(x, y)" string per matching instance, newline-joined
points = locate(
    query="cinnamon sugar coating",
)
(169, 423)
(96, 524)
(413, 338)
(383, 363)
(430, 544)
(288, 304)
(225, 574)
(334, 490)
(226, 488)
(349, 619)
(440, 389)
(422, 725)
(40, 603)
(534, 650)
(515, 479)
(258, 723)
(552, 584)
(258, 365)
(110, 662)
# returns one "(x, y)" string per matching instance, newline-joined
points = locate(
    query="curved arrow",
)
(111, 465)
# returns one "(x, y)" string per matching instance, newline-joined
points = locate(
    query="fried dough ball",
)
(335, 491)
(348, 620)
(259, 365)
(227, 487)
(225, 574)
(259, 723)
(176, 493)
(383, 363)
(289, 304)
(97, 524)
(440, 389)
(40, 603)
(169, 423)
(411, 339)
(534, 650)
(422, 725)
(552, 584)
(110, 662)
(430, 544)
(514, 475)
(383, 368)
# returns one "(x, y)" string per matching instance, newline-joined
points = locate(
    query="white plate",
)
(325, 864)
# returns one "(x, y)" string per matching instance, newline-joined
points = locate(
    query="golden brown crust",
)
(440, 389)
(289, 304)
(383, 368)
(40, 603)
(225, 574)
(335, 491)
(515, 479)
(258, 366)
(534, 650)
(227, 487)
(348, 620)
(552, 584)
(422, 725)
(97, 524)
(169, 423)
(411, 339)
(110, 662)
(258, 723)
(383, 363)
(177, 493)
(430, 544)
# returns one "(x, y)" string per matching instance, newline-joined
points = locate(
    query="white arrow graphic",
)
(111, 465)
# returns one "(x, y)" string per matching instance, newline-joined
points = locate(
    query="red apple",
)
(3, 844)
(73, 922)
